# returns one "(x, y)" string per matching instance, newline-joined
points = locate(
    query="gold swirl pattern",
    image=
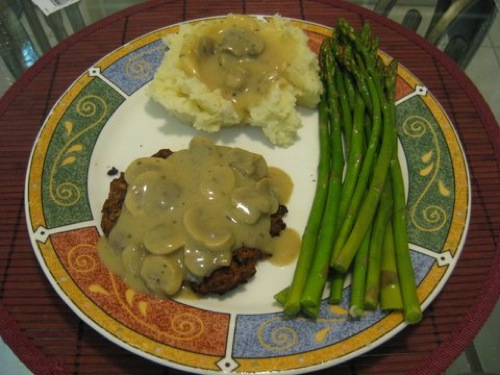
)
(432, 217)
(138, 67)
(186, 325)
(67, 194)
(281, 337)
(83, 258)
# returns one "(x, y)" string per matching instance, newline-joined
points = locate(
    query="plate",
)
(105, 120)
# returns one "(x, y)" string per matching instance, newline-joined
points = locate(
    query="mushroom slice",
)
(207, 230)
(163, 239)
(247, 163)
(240, 42)
(151, 193)
(249, 203)
(269, 202)
(141, 165)
(202, 262)
(217, 181)
(162, 274)
(132, 257)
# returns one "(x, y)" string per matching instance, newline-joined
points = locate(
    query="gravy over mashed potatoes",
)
(239, 70)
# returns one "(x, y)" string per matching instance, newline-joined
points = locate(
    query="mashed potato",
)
(239, 70)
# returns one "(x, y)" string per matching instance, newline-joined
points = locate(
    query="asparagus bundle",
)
(359, 190)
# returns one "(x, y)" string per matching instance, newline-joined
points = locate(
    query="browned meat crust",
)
(277, 223)
(222, 280)
(113, 205)
(163, 153)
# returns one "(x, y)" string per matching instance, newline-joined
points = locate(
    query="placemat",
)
(50, 339)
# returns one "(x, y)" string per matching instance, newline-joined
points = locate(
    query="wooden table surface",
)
(49, 338)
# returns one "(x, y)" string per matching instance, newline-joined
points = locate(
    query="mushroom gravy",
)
(239, 56)
(184, 215)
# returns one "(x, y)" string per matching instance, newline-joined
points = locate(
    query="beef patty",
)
(223, 279)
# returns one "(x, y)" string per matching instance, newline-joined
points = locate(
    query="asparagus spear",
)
(359, 274)
(349, 89)
(382, 217)
(346, 114)
(412, 309)
(355, 152)
(342, 264)
(344, 256)
(310, 236)
(282, 295)
(390, 293)
(358, 86)
(411, 305)
(337, 281)
(355, 159)
(318, 273)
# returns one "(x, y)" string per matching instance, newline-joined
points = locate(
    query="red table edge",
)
(463, 333)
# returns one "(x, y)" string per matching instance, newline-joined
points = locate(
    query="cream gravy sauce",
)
(239, 56)
(183, 216)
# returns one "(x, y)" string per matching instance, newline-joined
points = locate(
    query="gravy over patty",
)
(183, 216)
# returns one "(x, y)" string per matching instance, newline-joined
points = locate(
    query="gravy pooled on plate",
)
(183, 216)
